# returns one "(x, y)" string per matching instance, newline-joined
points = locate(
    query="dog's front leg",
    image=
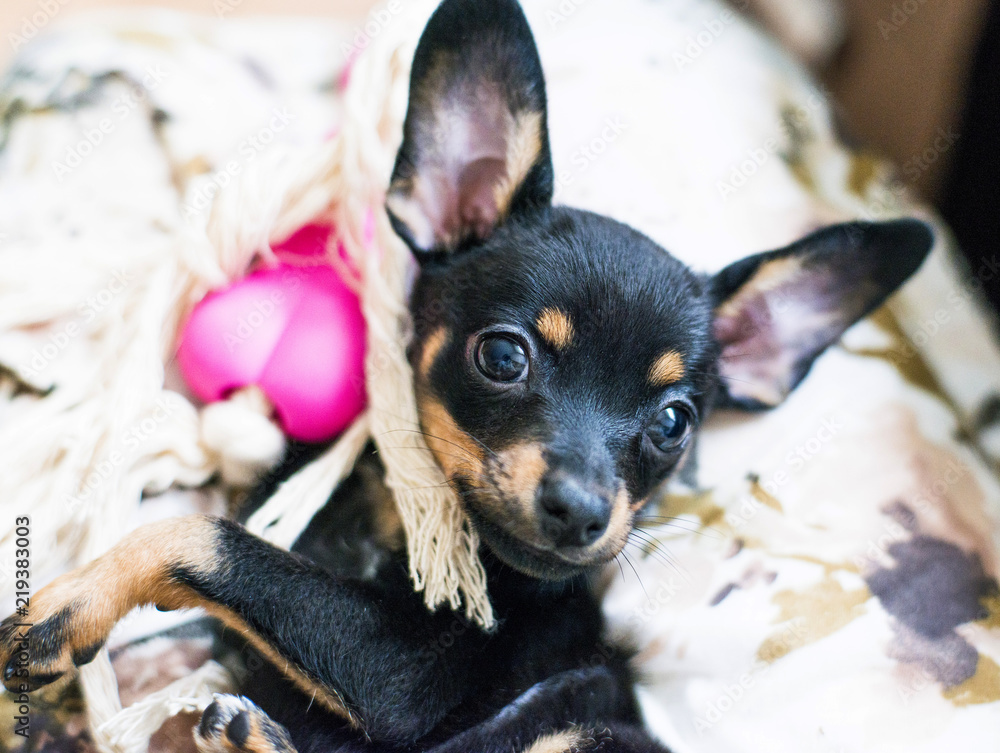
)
(587, 710)
(356, 647)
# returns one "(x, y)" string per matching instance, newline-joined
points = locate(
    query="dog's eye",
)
(670, 428)
(501, 358)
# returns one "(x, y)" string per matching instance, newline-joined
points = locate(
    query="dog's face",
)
(564, 361)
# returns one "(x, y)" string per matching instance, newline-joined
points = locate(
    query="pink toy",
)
(294, 331)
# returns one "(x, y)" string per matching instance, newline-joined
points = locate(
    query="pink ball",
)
(296, 332)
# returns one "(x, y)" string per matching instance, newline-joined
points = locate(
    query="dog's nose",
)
(570, 515)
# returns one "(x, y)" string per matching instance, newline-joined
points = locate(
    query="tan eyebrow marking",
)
(667, 369)
(556, 327)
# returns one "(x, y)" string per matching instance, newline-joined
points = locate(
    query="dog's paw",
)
(234, 724)
(41, 646)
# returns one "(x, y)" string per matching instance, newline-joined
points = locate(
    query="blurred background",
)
(903, 73)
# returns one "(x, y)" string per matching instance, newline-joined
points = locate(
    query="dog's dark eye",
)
(501, 358)
(670, 428)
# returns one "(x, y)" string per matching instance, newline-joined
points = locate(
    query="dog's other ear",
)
(776, 312)
(475, 141)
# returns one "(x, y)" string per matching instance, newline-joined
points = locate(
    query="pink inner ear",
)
(752, 361)
(767, 334)
(477, 184)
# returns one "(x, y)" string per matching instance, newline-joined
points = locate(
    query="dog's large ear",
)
(776, 312)
(475, 141)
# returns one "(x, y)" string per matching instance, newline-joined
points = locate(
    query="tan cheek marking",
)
(556, 328)
(667, 369)
(520, 471)
(620, 525)
(524, 143)
(431, 349)
(559, 742)
(455, 451)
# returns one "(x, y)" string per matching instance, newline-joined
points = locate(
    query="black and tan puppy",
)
(563, 364)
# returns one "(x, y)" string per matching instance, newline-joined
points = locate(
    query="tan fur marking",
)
(131, 573)
(524, 143)
(770, 276)
(559, 742)
(620, 525)
(322, 694)
(667, 369)
(430, 350)
(556, 328)
(455, 451)
(136, 572)
(519, 472)
(407, 201)
(263, 734)
(388, 523)
(259, 741)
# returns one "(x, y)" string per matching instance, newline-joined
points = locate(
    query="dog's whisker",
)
(657, 546)
(475, 439)
(421, 449)
(468, 453)
(637, 577)
(706, 531)
(674, 522)
(651, 545)
(620, 568)
(652, 549)
(713, 375)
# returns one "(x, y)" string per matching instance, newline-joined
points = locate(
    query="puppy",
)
(563, 365)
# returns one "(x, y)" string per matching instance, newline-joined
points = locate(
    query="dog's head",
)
(563, 360)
